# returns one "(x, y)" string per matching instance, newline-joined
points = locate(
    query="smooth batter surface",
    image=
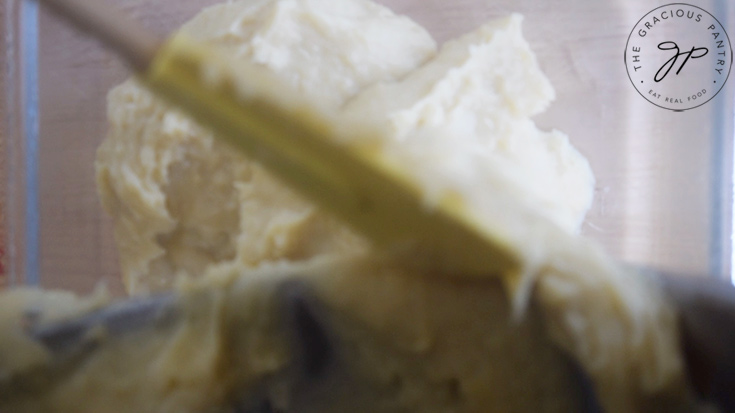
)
(458, 119)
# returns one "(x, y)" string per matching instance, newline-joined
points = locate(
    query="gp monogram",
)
(678, 56)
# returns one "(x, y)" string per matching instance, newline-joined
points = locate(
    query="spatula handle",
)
(135, 45)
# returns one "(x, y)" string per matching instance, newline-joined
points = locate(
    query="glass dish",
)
(664, 193)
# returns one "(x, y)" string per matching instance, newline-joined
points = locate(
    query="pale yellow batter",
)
(183, 202)
(458, 119)
(397, 341)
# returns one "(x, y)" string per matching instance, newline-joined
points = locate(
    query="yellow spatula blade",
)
(254, 112)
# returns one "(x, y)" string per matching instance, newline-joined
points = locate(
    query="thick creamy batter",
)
(182, 201)
(397, 340)
(458, 119)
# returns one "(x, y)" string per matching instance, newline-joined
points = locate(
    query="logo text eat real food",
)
(678, 56)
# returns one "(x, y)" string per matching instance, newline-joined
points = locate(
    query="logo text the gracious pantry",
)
(678, 56)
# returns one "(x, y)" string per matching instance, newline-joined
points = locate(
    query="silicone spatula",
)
(300, 143)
